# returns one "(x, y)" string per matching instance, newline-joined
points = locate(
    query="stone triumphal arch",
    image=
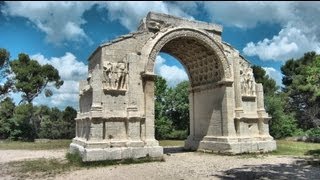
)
(116, 117)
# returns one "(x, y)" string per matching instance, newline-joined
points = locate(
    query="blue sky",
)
(64, 34)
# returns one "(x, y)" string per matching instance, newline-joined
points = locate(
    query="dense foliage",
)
(171, 110)
(282, 124)
(302, 85)
(27, 122)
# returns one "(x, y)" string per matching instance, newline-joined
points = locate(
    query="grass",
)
(294, 148)
(48, 168)
(18, 145)
(284, 147)
(171, 143)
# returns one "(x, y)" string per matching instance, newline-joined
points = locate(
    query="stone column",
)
(149, 109)
(190, 142)
(260, 97)
(260, 110)
(228, 128)
(191, 117)
(237, 85)
(77, 128)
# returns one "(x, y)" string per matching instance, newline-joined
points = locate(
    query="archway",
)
(210, 79)
(116, 118)
(171, 99)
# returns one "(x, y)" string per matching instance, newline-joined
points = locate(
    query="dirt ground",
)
(181, 165)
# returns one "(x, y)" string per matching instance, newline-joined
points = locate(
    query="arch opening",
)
(201, 64)
(171, 99)
(204, 69)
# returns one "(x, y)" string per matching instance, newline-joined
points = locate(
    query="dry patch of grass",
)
(171, 143)
(48, 168)
(18, 145)
(37, 168)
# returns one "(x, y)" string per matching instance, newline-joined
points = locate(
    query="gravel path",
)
(186, 165)
(17, 155)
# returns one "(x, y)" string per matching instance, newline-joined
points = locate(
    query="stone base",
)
(233, 145)
(191, 144)
(102, 152)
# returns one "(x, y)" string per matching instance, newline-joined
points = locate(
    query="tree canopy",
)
(31, 78)
(171, 110)
(302, 85)
(7, 83)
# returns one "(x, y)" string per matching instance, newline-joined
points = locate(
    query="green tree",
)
(51, 126)
(4, 57)
(6, 112)
(31, 78)
(68, 116)
(282, 123)
(5, 80)
(22, 128)
(301, 80)
(56, 124)
(171, 110)
(163, 126)
(40, 114)
(260, 76)
(178, 106)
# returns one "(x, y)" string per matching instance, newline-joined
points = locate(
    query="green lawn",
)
(297, 148)
(171, 143)
(52, 144)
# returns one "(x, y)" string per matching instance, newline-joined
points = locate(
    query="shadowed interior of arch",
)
(199, 61)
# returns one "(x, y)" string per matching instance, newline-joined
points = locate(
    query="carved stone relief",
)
(87, 87)
(115, 75)
(247, 79)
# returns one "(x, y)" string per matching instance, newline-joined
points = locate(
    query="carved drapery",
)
(115, 75)
(247, 81)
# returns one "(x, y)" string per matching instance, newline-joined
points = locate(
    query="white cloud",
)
(129, 13)
(299, 22)
(248, 14)
(289, 43)
(274, 74)
(172, 74)
(68, 65)
(71, 71)
(60, 21)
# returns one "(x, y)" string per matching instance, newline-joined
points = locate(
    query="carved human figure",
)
(121, 72)
(243, 82)
(250, 81)
(107, 73)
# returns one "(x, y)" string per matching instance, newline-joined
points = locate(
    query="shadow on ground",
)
(173, 149)
(308, 168)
